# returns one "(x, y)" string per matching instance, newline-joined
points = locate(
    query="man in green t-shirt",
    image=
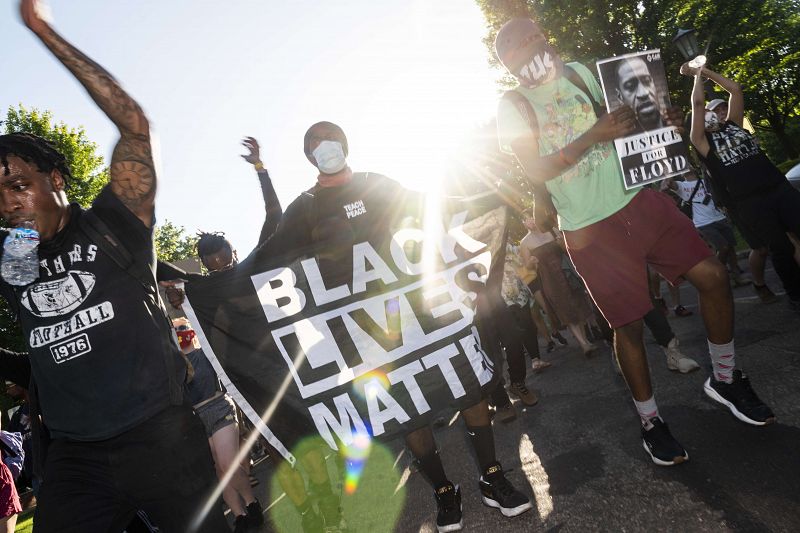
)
(613, 234)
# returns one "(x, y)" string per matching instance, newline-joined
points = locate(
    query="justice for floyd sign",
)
(655, 151)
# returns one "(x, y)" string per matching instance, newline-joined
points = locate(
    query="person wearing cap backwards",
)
(613, 234)
(757, 260)
(759, 193)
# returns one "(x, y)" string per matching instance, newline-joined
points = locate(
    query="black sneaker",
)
(448, 499)
(255, 514)
(661, 446)
(331, 511)
(241, 524)
(560, 338)
(310, 521)
(740, 398)
(498, 492)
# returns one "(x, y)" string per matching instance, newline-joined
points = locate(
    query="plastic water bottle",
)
(20, 264)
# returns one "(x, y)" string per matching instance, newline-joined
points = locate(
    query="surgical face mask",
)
(544, 66)
(329, 156)
(712, 121)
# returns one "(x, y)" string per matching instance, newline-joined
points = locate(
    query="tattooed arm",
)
(133, 176)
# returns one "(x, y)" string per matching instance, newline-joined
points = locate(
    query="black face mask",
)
(544, 66)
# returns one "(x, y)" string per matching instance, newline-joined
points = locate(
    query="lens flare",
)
(356, 455)
(365, 384)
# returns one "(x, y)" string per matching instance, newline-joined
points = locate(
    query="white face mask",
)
(712, 121)
(329, 156)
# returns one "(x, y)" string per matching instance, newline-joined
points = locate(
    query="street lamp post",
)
(686, 42)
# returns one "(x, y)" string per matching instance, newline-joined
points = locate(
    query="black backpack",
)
(545, 212)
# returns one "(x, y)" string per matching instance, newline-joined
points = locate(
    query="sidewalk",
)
(579, 453)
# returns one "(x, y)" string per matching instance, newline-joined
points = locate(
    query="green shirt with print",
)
(592, 189)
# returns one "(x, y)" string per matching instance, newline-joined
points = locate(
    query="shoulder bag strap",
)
(99, 233)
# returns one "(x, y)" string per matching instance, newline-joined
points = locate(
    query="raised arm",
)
(133, 176)
(736, 99)
(272, 205)
(698, 132)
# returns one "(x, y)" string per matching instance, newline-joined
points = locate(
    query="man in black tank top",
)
(756, 190)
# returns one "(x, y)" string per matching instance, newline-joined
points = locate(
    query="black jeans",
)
(526, 329)
(659, 326)
(770, 215)
(163, 466)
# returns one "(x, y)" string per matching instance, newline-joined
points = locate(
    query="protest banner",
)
(655, 151)
(358, 323)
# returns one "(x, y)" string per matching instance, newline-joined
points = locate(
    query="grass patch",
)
(24, 522)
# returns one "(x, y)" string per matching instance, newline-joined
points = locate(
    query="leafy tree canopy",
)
(89, 171)
(754, 42)
(172, 242)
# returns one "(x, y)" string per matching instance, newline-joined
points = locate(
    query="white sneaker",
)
(676, 360)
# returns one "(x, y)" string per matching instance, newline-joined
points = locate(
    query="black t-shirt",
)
(738, 164)
(96, 347)
(346, 214)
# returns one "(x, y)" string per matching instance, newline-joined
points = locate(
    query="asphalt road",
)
(579, 455)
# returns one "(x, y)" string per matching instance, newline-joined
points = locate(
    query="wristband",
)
(564, 159)
(259, 166)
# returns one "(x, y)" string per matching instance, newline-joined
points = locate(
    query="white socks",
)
(722, 361)
(647, 410)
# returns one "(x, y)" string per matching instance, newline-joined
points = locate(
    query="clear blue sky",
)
(404, 79)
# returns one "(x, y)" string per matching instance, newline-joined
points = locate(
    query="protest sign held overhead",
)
(356, 317)
(655, 151)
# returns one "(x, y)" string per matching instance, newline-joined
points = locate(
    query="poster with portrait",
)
(654, 151)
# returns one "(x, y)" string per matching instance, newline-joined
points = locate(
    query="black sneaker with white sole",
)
(498, 492)
(661, 446)
(448, 499)
(740, 398)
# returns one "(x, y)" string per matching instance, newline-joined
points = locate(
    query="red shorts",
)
(612, 255)
(9, 499)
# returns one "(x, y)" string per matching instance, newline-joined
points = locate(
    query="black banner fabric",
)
(369, 334)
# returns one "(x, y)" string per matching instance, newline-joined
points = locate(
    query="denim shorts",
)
(217, 414)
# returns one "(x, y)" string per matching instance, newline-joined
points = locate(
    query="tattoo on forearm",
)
(133, 176)
(123, 111)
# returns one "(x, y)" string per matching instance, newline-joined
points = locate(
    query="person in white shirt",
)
(712, 223)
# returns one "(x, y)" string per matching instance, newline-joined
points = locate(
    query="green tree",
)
(89, 172)
(754, 42)
(172, 243)
(757, 44)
